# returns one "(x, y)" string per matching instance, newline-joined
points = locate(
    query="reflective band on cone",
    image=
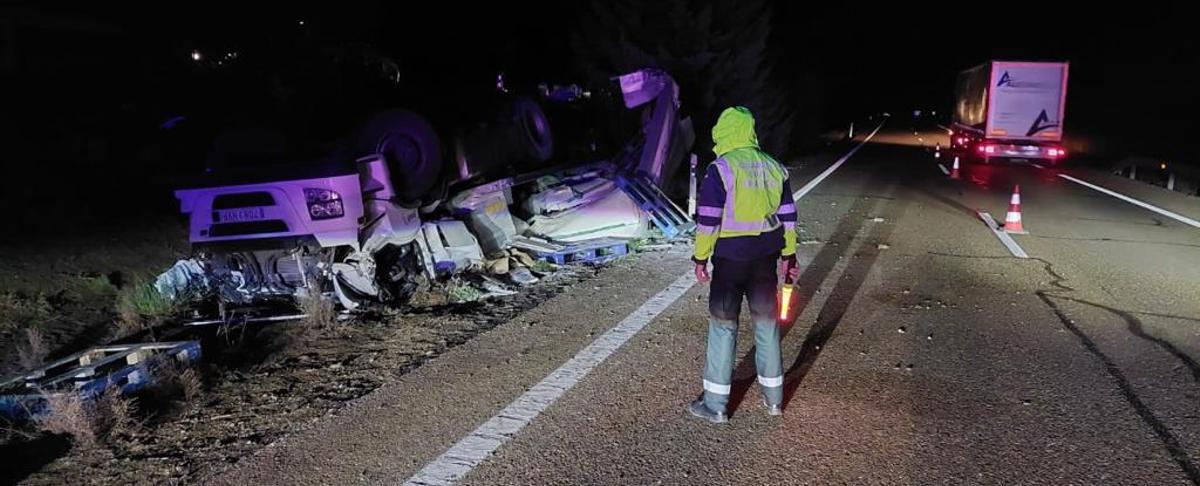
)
(1012, 220)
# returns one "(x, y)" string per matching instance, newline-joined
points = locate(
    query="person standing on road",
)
(746, 226)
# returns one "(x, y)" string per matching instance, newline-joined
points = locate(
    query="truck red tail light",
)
(1057, 152)
(987, 149)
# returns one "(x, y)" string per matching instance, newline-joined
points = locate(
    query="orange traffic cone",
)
(1012, 221)
(954, 169)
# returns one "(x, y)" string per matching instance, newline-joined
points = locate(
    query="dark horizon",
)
(851, 62)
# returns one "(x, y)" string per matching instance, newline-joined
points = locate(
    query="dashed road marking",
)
(1004, 238)
(944, 169)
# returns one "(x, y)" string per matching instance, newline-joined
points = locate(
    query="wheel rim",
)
(535, 126)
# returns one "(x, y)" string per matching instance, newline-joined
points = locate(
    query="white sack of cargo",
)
(615, 215)
(569, 196)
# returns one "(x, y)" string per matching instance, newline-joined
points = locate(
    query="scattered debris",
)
(883, 246)
(901, 330)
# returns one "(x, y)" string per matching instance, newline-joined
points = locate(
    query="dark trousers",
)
(756, 282)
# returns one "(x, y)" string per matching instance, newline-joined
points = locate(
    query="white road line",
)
(817, 180)
(1040, 166)
(1178, 217)
(1004, 238)
(473, 449)
(470, 451)
(944, 169)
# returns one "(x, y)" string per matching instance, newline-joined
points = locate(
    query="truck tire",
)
(533, 129)
(411, 148)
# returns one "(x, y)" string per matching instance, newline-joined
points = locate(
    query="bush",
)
(90, 423)
(319, 311)
(140, 306)
(18, 312)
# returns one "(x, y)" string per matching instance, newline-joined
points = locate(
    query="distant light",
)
(196, 56)
(1162, 166)
(301, 22)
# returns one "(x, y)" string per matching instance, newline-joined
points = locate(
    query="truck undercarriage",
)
(384, 212)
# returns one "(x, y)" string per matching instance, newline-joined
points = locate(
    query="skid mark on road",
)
(1135, 327)
(1177, 451)
(1174, 448)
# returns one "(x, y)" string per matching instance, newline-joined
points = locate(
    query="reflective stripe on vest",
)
(754, 195)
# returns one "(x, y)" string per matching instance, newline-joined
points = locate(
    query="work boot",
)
(700, 410)
(773, 410)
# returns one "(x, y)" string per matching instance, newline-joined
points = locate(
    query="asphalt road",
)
(926, 353)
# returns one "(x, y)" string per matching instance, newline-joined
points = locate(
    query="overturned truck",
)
(395, 204)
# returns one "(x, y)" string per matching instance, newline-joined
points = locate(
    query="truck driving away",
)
(1011, 110)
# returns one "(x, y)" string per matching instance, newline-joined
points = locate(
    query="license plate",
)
(240, 214)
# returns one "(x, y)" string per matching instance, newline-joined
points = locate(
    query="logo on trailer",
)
(1011, 81)
(1004, 79)
(1041, 123)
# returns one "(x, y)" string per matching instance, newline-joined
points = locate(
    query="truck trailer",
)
(1010, 110)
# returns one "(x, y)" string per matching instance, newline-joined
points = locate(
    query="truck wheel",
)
(533, 128)
(411, 148)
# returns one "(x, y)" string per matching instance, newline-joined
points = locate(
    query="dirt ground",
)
(263, 382)
(66, 285)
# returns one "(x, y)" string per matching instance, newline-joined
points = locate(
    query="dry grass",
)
(319, 311)
(17, 311)
(33, 351)
(116, 415)
(190, 385)
(176, 380)
(91, 424)
(70, 415)
(139, 306)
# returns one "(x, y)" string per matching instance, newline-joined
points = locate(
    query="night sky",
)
(1130, 68)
